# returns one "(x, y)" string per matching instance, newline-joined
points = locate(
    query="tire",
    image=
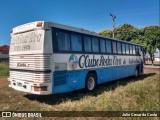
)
(136, 73)
(91, 82)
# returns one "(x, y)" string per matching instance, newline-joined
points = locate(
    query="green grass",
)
(130, 94)
(4, 69)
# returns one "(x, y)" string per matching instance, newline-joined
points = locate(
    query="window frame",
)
(120, 47)
(111, 46)
(124, 48)
(116, 47)
(83, 35)
(130, 49)
(104, 45)
(133, 49)
(98, 44)
(73, 33)
(55, 39)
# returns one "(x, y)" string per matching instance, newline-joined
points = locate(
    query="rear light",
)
(39, 24)
(40, 88)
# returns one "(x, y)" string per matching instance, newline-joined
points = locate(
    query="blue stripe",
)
(65, 81)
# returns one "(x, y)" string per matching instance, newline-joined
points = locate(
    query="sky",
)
(87, 14)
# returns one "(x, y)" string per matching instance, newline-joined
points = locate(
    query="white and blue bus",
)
(48, 58)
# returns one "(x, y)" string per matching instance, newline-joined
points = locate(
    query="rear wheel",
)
(90, 82)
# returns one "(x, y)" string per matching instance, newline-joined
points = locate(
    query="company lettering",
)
(85, 61)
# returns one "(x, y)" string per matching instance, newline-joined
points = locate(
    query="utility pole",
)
(113, 23)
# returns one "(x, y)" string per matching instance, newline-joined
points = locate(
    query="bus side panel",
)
(64, 81)
(107, 74)
(68, 81)
(104, 75)
(114, 73)
(77, 79)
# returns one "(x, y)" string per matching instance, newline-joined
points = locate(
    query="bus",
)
(49, 58)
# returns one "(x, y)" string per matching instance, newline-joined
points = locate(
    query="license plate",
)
(19, 84)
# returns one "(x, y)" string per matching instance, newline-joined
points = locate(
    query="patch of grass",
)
(130, 94)
(4, 69)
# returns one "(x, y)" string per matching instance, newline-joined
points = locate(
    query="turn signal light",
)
(39, 24)
(40, 88)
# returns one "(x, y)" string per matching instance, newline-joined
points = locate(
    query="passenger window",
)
(119, 47)
(108, 46)
(63, 40)
(76, 41)
(114, 46)
(123, 48)
(131, 49)
(127, 49)
(87, 44)
(95, 45)
(139, 50)
(102, 45)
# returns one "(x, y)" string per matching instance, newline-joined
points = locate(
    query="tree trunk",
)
(152, 62)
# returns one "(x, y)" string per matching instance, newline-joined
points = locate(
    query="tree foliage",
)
(106, 33)
(126, 32)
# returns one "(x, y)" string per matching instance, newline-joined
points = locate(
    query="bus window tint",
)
(133, 48)
(127, 49)
(130, 47)
(123, 48)
(139, 50)
(108, 46)
(87, 44)
(63, 41)
(119, 47)
(95, 45)
(136, 50)
(76, 41)
(114, 46)
(102, 46)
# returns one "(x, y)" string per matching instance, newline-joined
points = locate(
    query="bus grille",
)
(30, 76)
(30, 67)
(30, 62)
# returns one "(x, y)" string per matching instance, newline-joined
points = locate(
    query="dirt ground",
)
(3, 81)
(151, 70)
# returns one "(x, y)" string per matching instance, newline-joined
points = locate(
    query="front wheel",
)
(90, 82)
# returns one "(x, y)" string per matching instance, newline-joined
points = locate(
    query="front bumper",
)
(28, 87)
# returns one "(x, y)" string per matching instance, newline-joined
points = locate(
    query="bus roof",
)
(32, 25)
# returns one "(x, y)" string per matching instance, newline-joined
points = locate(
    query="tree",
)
(106, 33)
(149, 38)
(126, 32)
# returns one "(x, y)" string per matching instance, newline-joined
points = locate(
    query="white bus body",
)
(37, 66)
